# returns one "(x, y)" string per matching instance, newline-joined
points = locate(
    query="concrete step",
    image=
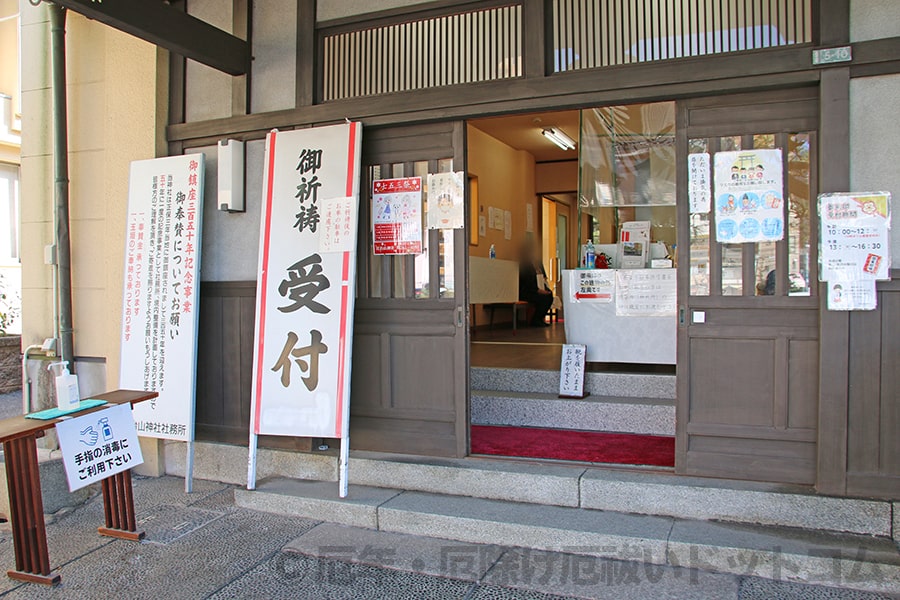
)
(626, 385)
(848, 560)
(651, 493)
(654, 416)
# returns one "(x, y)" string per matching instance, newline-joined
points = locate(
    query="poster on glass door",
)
(749, 196)
(397, 216)
(446, 200)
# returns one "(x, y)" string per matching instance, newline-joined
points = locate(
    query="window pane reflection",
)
(421, 263)
(799, 218)
(732, 270)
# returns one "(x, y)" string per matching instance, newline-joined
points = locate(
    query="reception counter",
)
(622, 315)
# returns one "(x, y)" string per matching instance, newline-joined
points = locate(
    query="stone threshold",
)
(542, 483)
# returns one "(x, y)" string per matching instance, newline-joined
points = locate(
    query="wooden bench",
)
(515, 306)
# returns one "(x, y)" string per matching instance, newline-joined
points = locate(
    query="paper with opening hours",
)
(855, 237)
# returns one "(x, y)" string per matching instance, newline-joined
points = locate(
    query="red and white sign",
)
(594, 285)
(305, 293)
(159, 304)
(397, 216)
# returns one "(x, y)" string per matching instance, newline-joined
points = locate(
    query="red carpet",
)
(582, 446)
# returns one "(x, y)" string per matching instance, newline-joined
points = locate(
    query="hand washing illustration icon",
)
(89, 436)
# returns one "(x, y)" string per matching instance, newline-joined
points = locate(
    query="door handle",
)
(459, 316)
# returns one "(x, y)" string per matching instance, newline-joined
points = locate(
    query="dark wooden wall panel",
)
(225, 366)
(873, 420)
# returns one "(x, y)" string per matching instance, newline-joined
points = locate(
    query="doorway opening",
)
(542, 187)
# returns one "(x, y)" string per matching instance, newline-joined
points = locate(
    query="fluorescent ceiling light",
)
(559, 138)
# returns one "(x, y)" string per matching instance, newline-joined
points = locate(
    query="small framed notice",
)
(571, 371)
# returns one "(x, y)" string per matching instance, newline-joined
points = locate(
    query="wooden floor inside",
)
(526, 348)
(537, 348)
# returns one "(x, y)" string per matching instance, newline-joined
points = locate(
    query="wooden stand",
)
(26, 508)
(27, 512)
(118, 507)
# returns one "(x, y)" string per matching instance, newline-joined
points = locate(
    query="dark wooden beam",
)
(177, 67)
(170, 28)
(241, 25)
(834, 327)
(664, 79)
(831, 22)
(534, 27)
(307, 46)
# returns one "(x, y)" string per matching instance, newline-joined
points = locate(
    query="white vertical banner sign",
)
(159, 305)
(306, 290)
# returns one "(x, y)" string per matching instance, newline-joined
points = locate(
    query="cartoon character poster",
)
(397, 216)
(446, 200)
(749, 196)
(855, 236)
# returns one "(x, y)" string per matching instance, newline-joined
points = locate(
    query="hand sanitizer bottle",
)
(493, 252)
(67, 396)
(589, 255)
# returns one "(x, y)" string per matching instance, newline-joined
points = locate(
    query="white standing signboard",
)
(98, 445)
(306, 288)
(749, 196)
(159, 305)
(571, 371)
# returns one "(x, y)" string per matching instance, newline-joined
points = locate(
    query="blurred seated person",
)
(531, 290)
(767, 288)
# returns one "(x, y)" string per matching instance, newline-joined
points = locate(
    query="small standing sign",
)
(98, 445)
(571, 371)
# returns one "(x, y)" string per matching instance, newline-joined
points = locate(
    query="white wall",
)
(874, 131)
(231, 240)
(873, 19)
(327, 10)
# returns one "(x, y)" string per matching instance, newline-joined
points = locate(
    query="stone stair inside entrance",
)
(617, 402)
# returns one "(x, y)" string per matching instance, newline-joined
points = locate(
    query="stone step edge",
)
(548, 381)
(590, 399)
(830, 567)
(568, 481)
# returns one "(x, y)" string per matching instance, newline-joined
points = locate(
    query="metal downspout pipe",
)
(61, 183)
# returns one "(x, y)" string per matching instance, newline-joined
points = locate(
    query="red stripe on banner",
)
(345, 295)
(342, 346)
(351, 163)
(270, 180)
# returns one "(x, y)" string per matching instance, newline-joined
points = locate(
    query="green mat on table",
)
(55, 413)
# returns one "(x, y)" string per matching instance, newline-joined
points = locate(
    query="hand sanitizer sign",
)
(97, 445)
